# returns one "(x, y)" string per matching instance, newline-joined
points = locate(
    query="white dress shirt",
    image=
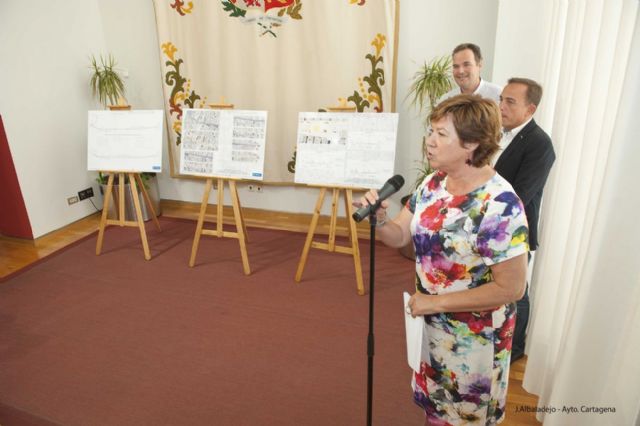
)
(507, 138)
(486, 89)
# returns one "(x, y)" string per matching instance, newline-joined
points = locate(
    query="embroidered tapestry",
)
(282, 56)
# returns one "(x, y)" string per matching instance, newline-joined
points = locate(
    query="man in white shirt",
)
(467, 63)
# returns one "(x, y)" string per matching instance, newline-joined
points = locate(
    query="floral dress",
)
(465, 360)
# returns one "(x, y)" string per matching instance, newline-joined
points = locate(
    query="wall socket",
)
(254, 188)
(72, 200)
(85, 193)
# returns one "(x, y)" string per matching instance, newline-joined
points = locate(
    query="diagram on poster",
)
(125, 140)
(223, 143)
(346, 150)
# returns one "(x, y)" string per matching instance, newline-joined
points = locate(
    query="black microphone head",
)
(396, 181)
(389, 188)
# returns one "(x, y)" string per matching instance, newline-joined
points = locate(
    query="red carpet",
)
(117, 340)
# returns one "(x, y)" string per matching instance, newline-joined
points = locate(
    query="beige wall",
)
(428, 29)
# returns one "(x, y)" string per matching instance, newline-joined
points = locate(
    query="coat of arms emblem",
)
(268, 15)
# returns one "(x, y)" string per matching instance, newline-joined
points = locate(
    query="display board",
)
(125, 141)
(223, 143)
(346, 150)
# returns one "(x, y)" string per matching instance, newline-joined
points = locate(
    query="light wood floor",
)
(16, 253)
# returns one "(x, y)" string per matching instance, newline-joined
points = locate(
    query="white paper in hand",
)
(414, 328)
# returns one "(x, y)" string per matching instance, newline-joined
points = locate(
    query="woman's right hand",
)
(370, 198)
(394, 233)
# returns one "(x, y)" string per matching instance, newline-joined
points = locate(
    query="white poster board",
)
(128, 141)
(223, 143)
(346, 149)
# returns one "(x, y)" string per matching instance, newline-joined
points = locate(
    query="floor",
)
(16, 254)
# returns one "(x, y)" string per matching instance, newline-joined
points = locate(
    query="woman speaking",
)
(470, 235)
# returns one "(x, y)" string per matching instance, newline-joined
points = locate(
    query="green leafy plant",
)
(430, 82)
(102, 179)
(423, 170)
(106, 84)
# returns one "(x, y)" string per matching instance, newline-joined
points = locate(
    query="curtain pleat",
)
(586, 77)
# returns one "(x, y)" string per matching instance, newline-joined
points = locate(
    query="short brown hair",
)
(476, 120)
(534, 90)
(477, 54)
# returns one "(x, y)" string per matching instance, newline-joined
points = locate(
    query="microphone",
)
(388, 189)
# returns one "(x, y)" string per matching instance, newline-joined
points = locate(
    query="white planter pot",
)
(129, 206)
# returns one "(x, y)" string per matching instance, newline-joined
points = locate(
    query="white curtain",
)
(585, 334)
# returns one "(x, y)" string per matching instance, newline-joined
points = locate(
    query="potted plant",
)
(430, 82)
(107, 87)
(106, 84)
(150, 183)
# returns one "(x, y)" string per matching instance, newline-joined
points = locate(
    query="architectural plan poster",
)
(223, 143)
(346, 150)
(128, 141)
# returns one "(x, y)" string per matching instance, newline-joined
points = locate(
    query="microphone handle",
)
(385, 192)
(363, 212)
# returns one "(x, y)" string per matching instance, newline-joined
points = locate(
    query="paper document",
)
(125, 140)
(352, 150)
(223, 143)
(414, 328)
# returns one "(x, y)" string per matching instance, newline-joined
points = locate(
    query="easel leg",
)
(105, 211)
(244, 226)
(136, 203)
(121, 204)
(353, 234)
(237, 214)
(333, 223)
(115, 193)
(203, 211)
(147, 199)
(219, 210)
(312, 230)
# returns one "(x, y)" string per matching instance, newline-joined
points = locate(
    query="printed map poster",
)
(128, 141)
(346, 150)
(223, 143)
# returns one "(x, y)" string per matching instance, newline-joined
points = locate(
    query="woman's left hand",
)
(421, 304)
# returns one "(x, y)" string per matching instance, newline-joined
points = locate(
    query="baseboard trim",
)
(260, 218)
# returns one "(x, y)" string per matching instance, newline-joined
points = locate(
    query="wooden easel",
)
(241, 229)
(139, 223)
(330, 245)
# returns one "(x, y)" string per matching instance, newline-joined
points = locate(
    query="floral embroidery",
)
(179, 6)
(181, 94)
(370, 97)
